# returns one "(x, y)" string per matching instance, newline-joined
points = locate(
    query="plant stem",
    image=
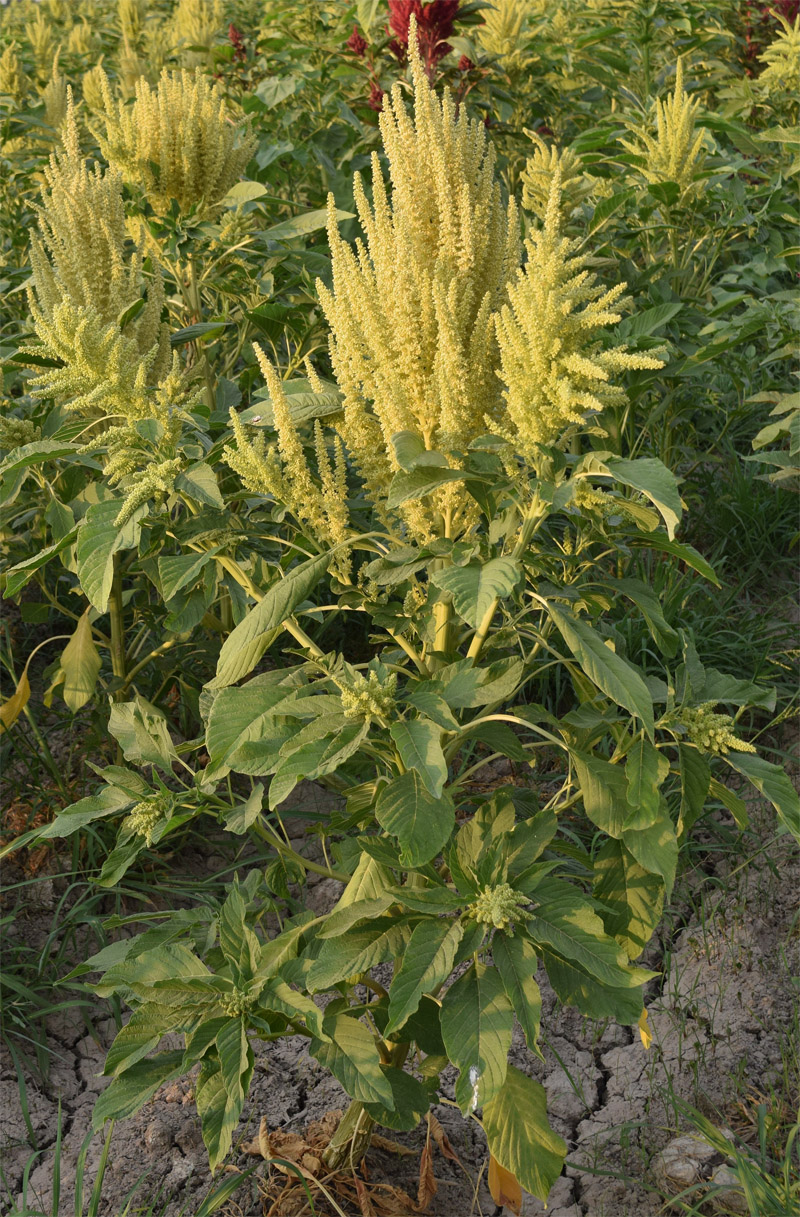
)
(117, 629)
(350, 1142)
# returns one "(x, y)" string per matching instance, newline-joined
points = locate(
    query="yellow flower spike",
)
(644, 1030)
(675, 153)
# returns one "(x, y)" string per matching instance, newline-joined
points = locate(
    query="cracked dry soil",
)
(726, 954)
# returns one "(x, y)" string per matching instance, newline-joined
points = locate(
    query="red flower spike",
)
(465, 64)
(435, 24)
(357, 43)
(375, 99)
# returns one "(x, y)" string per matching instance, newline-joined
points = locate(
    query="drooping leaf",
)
(352, 1057)
(80, 662)
(142, 732)
(99, 539)
(515, 960)
(773, 783)
(477, 585)
(340, 958)
(633, 898)
(477, 1023)
(655, 847)
(419, 742)
(519, 1136)
(127, 1093)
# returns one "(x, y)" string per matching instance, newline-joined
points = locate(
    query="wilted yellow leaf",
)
(504, 1187)
(644, 1029)
(11, 709)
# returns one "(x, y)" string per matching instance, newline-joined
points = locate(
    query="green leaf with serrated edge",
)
(176, 571)
(36, 453)
(632, 897)
(412, 1100)
(108, 802)
(477, 585)
(519, 1136)
(645, 771)
(655, 848)
(352, 1058)
(477, 1024)
(420, 482)
(243, 647)
(233, 1050)
(594, 998)
(360, 949)
(369, 879)
(515, 960)
(339, 922)
(127, 1093)
(603, 790)
(281, 998)
(612, 674)
(80, 662)
(695, 785)
(576, 933)
(419, 744)
(99, 539)
(421, 823)
(142, 733)
(142, 1033)
(773, 783)
(730, 801)
(218, 1112)
(426, 964)
(720, 687)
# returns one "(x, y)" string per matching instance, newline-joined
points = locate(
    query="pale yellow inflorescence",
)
(144, 817)
(177, 141)
(552, 359)
(40, 37)
(196, 23)
(499, 907)
(499, 34)
(711, 732)
(282, 470)
(537, 178)
(370, 697)
(132, 15)
(410, 310)
(16, 432)
(676, 152)
(54, 96)
(782, 59)
(13, 82)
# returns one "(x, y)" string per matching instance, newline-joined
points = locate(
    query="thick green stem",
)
(118, 665)
(350, 1142)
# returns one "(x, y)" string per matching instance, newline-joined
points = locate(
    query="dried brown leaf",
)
(504, 1187)
(441, 1138)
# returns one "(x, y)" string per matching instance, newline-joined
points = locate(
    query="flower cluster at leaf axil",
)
(238, 1002)
(709, 731)
(143, 818)
(499, 906)
(370, 697)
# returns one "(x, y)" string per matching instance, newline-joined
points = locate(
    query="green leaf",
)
(175, 572)
(426, 964)
(685, 553)
(233, 1051)
(655, 848)
(218, 1112)
(420, 482)
(576, 933)
(245, 715)
(281, 998)
(574, 986)
(80, 662)
(360, 949)
(648, 603)
(127, 1093)
(302, 225)
(141, 1034)
(633, 897)
(315, 759)
(421, 823)
(119, 861)
(773, 783)
(612, 674)
(604, 792)
(731, 801)
(17, 576)
(369, 880)
(352, 1057)
(515, 960)
(108, 802)
(244, 647)
(37, 453)
(695, 784)
(519, 1136)
(419, 744)
(645, 771)
(342, 919)
(608, 207)
(641, 325)
(477, 585)
(652, 478)
(244, 192)
(142, 733)
(466, 686)
(199, 482)
(98, 540)
(477, 1024)
(244, 815)
(198, 330)
(275, 89)
(412, 1100)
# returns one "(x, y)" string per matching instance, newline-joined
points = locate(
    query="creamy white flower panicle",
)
(675, 153)
(412, 341)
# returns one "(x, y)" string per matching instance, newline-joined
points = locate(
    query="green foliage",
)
(247, 598)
